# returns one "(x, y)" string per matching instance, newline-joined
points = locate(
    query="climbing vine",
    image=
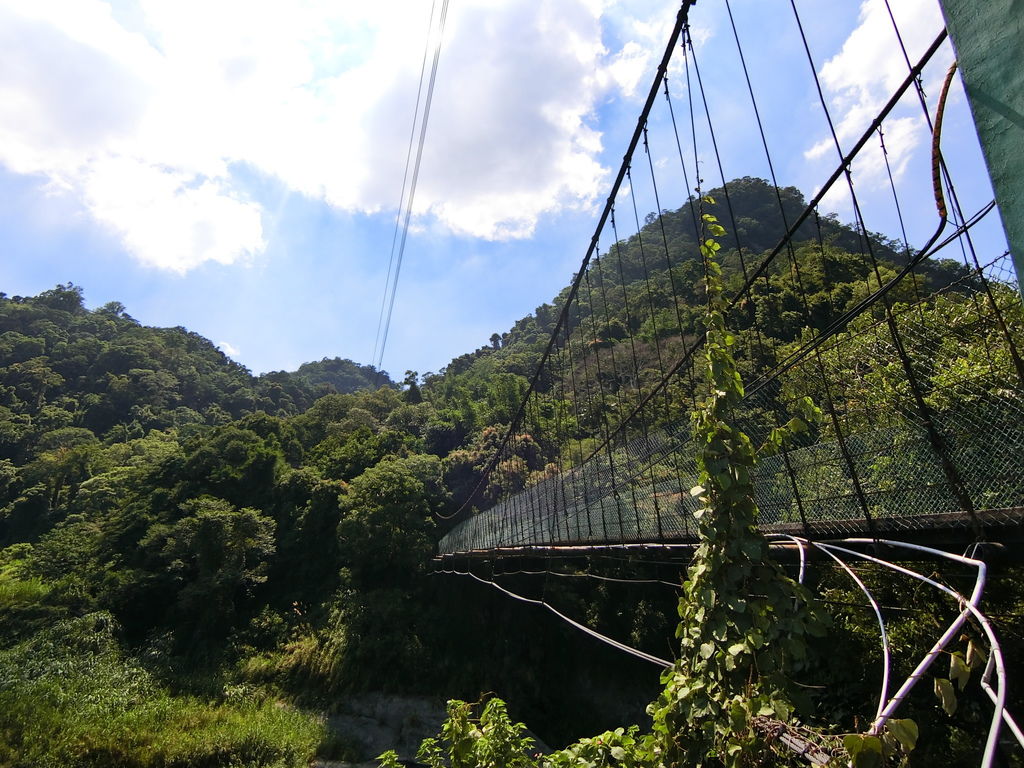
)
(744, 624)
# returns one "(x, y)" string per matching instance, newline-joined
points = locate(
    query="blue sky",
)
(235, 166)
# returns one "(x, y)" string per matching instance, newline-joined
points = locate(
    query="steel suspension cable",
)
(937, 440)
(415, 179)
(690, 53)
(405, 180)
(582, 627)
(1012, 345)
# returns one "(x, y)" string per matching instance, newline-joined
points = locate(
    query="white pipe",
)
(803, 554)
(886, 652)
(970, 607)
(1007, 717)
(946, 637)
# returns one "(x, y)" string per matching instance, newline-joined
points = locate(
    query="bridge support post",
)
(987, 37)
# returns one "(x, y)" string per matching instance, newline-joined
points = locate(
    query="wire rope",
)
(581, 627)
(405, 180)
(415, 179)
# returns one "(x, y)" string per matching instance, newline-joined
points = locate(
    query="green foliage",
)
(345, 456)
(898, 739)
(159, 481)
(384, 533)
(216, 555)
(491, 740)
(14, 591)
(621, 747)
(118, 379)
(448, 429)
(342, 376)
(961, 664)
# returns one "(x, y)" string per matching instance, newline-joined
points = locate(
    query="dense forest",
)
(194, 562)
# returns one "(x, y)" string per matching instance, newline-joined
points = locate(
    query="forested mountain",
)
(338, 375)
(65, 367)
(183, 545)
(751, 204)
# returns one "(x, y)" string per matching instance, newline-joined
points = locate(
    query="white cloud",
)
(169, 219)
(861, 78)
(145, 111)
(629, 66)
(228, 349)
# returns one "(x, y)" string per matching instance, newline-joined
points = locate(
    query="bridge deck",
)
(955, 528)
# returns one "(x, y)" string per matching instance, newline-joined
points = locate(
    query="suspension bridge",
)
(917, 370)
(895, 362)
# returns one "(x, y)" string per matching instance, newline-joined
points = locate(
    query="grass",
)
(16, 592)
(70, 697)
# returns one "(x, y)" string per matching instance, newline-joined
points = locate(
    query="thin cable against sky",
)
(391, 285)
(405, 180)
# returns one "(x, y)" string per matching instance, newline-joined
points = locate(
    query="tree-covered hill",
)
(65, 368)
(627, 267)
